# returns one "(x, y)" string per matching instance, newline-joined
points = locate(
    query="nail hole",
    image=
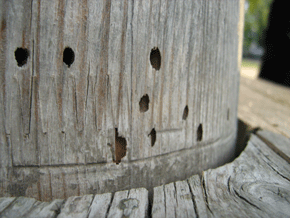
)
(144, 103)
(68, 56)
(185, 113)
(153, 137)
(155, 58)
(199, 132)
(120, 147)
(21, 56)
(228, 114)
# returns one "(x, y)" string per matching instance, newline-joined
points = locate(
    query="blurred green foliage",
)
(256, 19)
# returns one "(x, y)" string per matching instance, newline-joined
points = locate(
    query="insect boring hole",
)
(155, 58)
(21, 56)
(144, 103)
(120, 147)
(199, 132)
(185, 113)
(228, 114)
(152, 134)
(68, 56)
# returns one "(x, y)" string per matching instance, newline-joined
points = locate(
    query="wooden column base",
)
(256, 184)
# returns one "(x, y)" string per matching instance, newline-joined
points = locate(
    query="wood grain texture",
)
(77, 206)
(67, 121)
(19, 207)
(266, 105)
(5, 202)
(45, 209)
(278, 143)
(133, 203)
(256, 184)
(100, 205)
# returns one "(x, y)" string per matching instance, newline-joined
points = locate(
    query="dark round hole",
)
(199, 132)
(155, 58)
(21, 56)
(120, 147)
(153, 137)
(144, 103)
(68, 56)
(185, 113)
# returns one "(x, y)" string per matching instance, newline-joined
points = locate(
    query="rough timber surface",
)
(265, 104)
(79, 128)
(256, 184)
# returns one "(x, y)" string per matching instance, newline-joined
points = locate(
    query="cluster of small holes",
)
(21, 56)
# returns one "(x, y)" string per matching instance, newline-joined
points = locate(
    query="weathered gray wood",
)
(45, 209)
(5, 202)
(133, 203)
(279, 143)
(173, 200)
(184, 200)
(265, 105)
(67, 127)
(158, 207)
(77, 206)
(198, 196)
(256, 184)
(18, 208)
(100, 205)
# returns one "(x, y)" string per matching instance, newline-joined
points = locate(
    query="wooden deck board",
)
(266, 105)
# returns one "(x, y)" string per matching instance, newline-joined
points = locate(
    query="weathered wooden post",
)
(99, 96)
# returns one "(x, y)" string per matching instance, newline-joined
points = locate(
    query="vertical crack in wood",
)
(58, 210)
(193, 199)
(150, 202)
(88, 84)
(228, 184)
(123, 49)
(64, 185)
(175, 198)
(164, 199)
(89, 208)
(205, 192)
(110, 204)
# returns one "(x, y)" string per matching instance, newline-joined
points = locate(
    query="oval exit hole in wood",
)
(228, 114)
(68, 56)
(199, 132)
(120, 147)
(21, 56)
(155, 58)
(153, 137)
(144, 103)
(185, 113)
